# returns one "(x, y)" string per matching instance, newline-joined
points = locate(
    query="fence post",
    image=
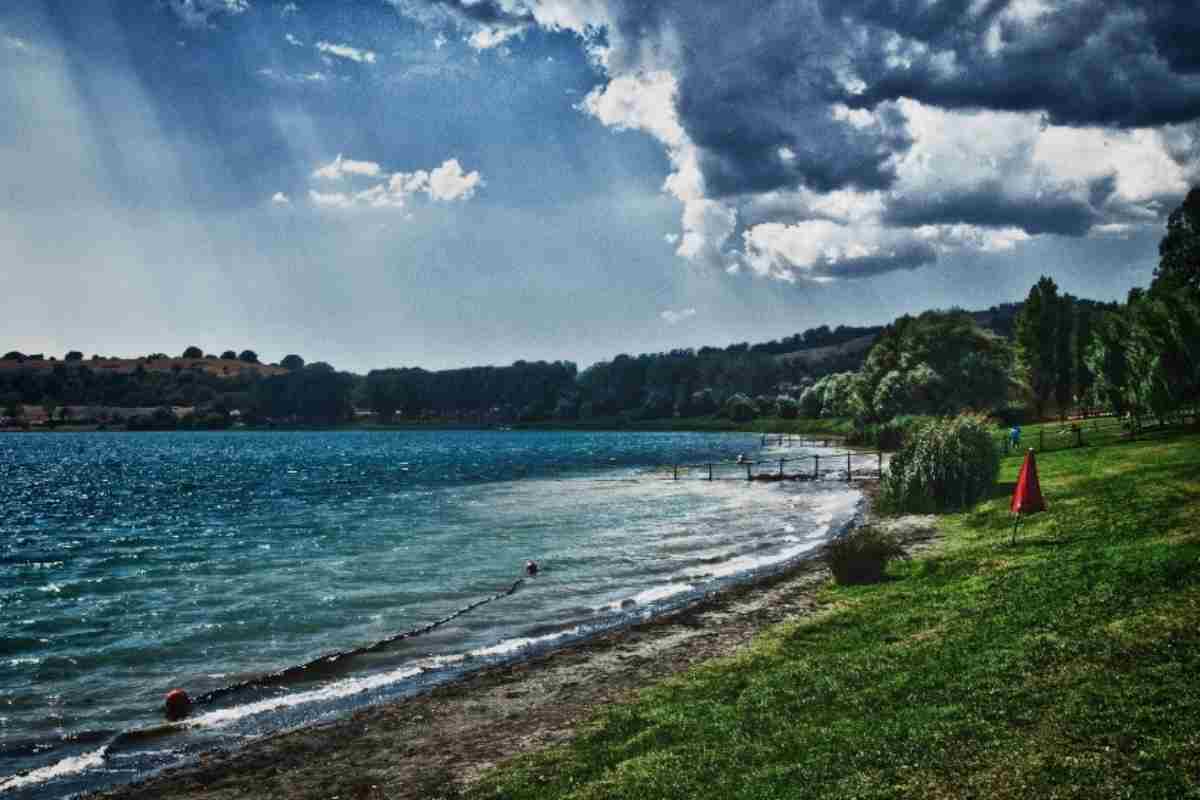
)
(816, 467)
(781, 467)
(848, 468)
(710, 472)
(676, 472)
(1078, 436)
(747, 470)
(1041, 439)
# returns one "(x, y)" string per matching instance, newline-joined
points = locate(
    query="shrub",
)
(740, 408)
(861, 555)
(945, 464)
(811, 401)
(888, 435)
(787, 408)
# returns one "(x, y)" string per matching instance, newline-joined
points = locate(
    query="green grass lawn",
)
(1065, 666)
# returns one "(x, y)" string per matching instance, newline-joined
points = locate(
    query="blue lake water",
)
(134, 563)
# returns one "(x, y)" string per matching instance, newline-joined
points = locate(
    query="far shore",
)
(437, 744)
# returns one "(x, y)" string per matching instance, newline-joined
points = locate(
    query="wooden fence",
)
(1094, 431)
(776, 469)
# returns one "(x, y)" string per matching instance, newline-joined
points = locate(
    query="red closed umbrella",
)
(1027, 499)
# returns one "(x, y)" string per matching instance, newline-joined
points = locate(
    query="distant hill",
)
(854, 350)
(219, 367)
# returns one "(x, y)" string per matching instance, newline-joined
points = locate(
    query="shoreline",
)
(433, 744)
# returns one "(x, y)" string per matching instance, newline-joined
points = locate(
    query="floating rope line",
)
(327, 661)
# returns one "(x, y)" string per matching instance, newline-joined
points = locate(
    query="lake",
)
(131, 563)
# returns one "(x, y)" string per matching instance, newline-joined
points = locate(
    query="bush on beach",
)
(861, 556)
(945, 464)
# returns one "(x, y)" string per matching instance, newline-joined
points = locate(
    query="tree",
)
(740, 408)
(193, 352)
(248, 356)
(1084, 379)
(292, 362)
(1038, 328)
(73, 355)
(811, 401)
(1064, 363)
(229, 355)
(1179, 252)
(787, 408)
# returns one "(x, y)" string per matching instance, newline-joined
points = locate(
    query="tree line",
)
(1053, 352)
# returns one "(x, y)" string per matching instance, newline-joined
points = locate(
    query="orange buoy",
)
(177, 704)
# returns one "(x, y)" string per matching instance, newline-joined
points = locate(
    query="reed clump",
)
(862, 555)
(945, 465)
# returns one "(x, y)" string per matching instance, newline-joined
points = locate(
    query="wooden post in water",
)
(781, 467)
(676, 472)
(747, 470)
(880, 454)
(710, 472)
(847, 467)
(816, 467)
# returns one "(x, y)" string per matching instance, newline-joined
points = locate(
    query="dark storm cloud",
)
(1175, 26)
(759, 77)
(988, 205)
(1100, 189)
(908, 256)
(1083, 63)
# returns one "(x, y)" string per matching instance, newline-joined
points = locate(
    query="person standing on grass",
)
(1015, 436)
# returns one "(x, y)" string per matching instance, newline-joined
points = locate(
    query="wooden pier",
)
(849, 465)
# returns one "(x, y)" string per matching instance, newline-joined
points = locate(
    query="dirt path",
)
(430, 746)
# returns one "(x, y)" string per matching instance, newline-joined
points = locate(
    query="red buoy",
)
(177, 704)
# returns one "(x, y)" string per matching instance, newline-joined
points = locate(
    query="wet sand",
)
(431, 746)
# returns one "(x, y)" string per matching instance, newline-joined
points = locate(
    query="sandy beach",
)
(434, 745)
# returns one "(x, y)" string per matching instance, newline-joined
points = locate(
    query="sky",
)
(444, 183)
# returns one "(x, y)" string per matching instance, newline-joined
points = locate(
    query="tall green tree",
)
(1179, 252)
(1084, 314)
(1038, 328)
(1064, 360)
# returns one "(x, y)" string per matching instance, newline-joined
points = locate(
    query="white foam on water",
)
(59, 769)
(515, 645)
(334, 691)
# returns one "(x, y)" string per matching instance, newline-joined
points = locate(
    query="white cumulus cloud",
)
(280, 199)
(196, 13)
(448, 182)
(489, 38)
(341, 167)
(673, 317)
(347, 52)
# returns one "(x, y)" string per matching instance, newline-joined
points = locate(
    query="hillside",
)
(220, 367)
